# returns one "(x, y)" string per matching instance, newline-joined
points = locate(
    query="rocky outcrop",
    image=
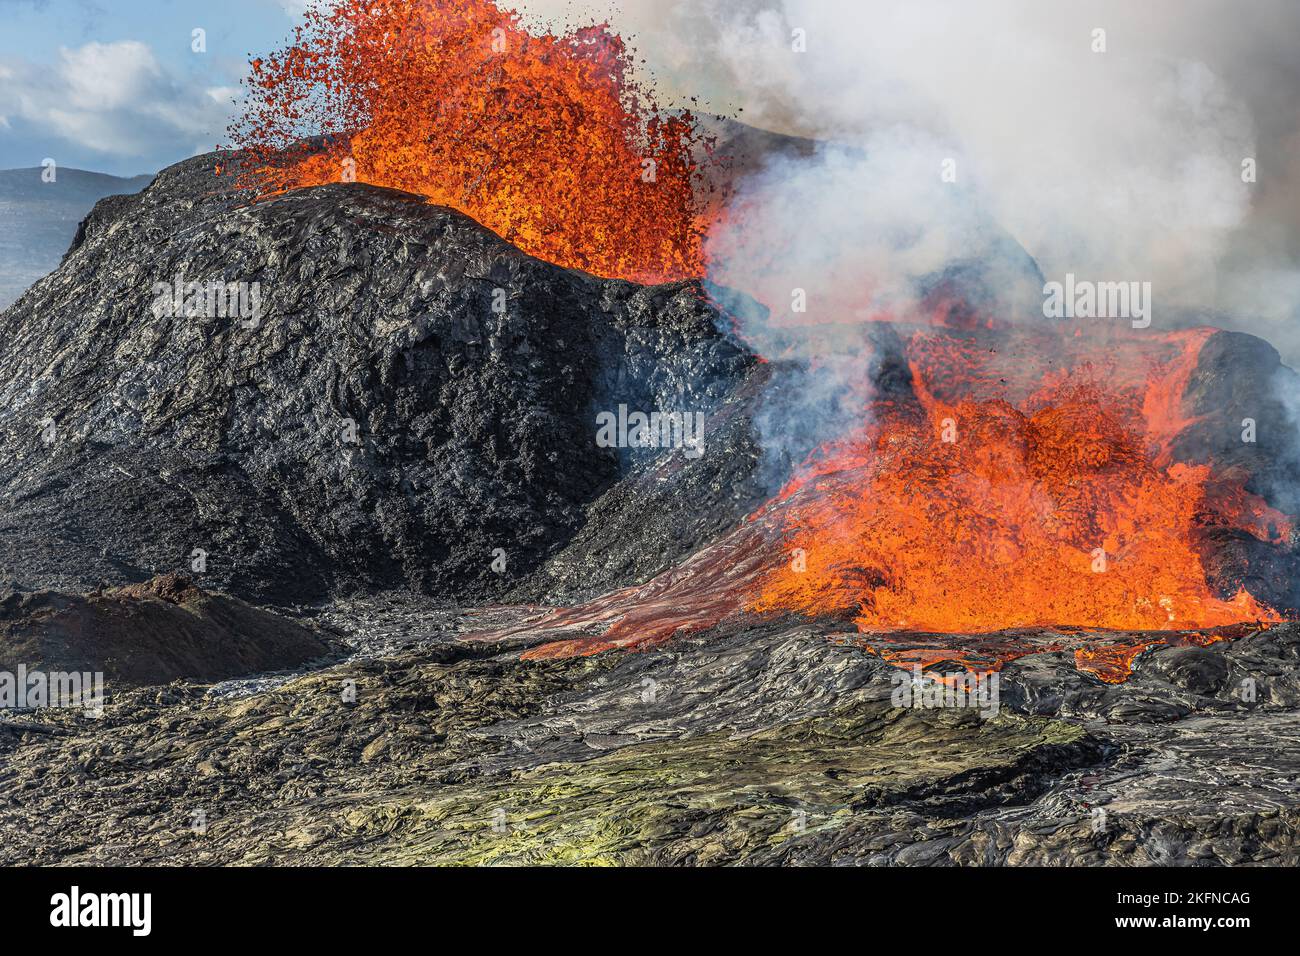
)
(162, 630)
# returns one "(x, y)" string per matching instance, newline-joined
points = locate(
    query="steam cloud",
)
(1117, 165)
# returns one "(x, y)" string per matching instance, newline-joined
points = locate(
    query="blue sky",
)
(113, 85)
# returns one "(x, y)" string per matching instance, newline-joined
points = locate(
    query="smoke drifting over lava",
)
(952, 458)
(981, 150)
(1114, 164)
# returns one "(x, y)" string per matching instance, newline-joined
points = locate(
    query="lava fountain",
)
(546, 139)
(984, 502)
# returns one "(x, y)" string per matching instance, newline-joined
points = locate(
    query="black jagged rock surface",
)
(134, 439)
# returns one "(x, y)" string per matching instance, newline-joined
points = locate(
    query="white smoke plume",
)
(1122, 163)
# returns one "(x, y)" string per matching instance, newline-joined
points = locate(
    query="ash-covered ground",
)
(387, 476)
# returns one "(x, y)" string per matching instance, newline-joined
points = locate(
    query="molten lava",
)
(992, 502)
(545, 139)
(1054, 519)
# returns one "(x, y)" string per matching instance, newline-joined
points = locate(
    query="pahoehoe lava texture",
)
(762, 743)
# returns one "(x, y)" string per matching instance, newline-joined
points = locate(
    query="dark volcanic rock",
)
(1201, 670)
(379, 425)
(1239, 379)
(666, 507)
(753, 743)
(152, 633)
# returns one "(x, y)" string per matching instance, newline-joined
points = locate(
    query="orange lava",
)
(994, 503)
(1111, 663)
(544, 139)
(984, 549)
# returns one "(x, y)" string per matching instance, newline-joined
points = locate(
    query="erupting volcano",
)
(1024, 474)
(485, 464)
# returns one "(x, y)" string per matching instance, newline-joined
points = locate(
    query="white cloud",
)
(113, 98)
(1123, 164)
(224, 94)
(109, 76)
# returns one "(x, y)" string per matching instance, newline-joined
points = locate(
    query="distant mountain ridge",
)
(38, 219)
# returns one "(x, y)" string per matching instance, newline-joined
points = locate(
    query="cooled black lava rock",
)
(1240, 425)
(390, 419)
(155, 632)
(760, 742)
(1201, 670)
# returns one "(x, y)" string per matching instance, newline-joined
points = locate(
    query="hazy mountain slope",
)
(38, 219)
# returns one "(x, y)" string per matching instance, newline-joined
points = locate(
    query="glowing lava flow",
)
(1054, 520)
(977, 509)
(544, 139)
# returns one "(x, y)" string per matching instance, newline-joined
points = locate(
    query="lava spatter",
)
(1003, 503)
(546, 139)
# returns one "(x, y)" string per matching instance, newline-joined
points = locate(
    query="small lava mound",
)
(161, 630)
